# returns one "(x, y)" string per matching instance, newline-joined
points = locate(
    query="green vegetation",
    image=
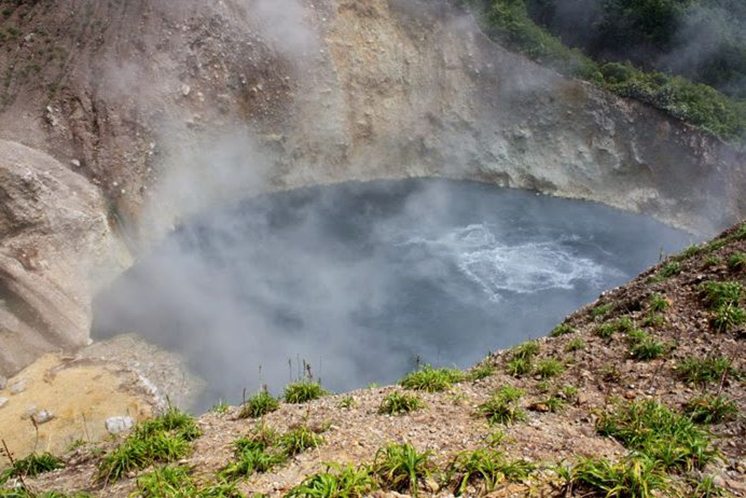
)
(632, 477)
(502, 407)
(602, 310)
(398, 403)
(220, 408)
(163, 439)
(262, 403)
(705, 370)
(653, 320)
(737, 261)
(347, 402)
(659, 434)
(724, 299)
(657, 303)
(576, 344)
(31, 466)
(510, 22)
(562, 329)
(299, 440)
(400, 467)
(711, 409)
(256, 453)
(432, 379)
(490, 467)
(481, 371)
(176, 482)
(620, 325)
(521, 359)
(644, 347)
(303, 391)
(706, 488)
(549, 367)
(336, 482)
(670, 269)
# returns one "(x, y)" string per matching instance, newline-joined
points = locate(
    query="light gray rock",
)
(3, 382)
(117, 425)
(3, 402)
(18, 387)
(42, 416)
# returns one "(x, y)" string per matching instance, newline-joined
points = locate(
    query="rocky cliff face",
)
(156, 109)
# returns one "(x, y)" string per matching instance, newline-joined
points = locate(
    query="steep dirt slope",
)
(605, 367)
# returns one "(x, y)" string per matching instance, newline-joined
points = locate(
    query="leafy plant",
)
(670, 269)
(657, 303)
(711, 409)
(32, 466)
(620, 325)
(518, 367)
(487, 466)
(717, 294)
(300, 439)
(502, 407)
(256, 453)
(642, 346)
(737, 261)
(660, 434)
(303, 391)
(262, 403)
(347, 402)
(562, 329)
(481, 371)
(336, 482)
(577, 344)
(728, 317)
(634, 477)
(602, 310)
(432, 379)
(549, 367)
(163, 439)
(400, 467)
(397, 403)
(220, 408)
(705, 370)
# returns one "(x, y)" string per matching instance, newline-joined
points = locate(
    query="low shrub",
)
(398, 403)
(432, 379)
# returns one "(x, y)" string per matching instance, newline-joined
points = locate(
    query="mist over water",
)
(363, 280)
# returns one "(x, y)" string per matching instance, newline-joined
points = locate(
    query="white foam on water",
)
(522, 268)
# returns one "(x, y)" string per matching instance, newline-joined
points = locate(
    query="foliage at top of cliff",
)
(635, 49)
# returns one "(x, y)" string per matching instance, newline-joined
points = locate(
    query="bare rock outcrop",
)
(55, 244)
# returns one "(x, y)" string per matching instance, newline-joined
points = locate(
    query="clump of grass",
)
(577, 344)
(521, 359)
(398, 403)
(32, 466)
(432, 379)
(717, 294)
(221, 407)
(711, 261)
(644, 347)
(303, 391)
(705, 370)
(633, 477)
(166, 482)
(481, 371)
(657, 303)
(659, 433)
(347, 402)
(163, 439)
(653, 320)
(336, 482)
(620, 325)
(728, 317)
(490, 467)
(610, 373)
(737, 261)
(299, 440)
(562, 329)
(502, 407)
(711, 409)
(260, 404)
(256, 453)
(602, 310)
(706, 488)
(689, 252)
(400, 467)
(549, 367)
(670, 269)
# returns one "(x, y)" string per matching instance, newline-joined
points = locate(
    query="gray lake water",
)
(363, 281)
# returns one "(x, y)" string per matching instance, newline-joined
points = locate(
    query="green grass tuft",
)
(432, 379)
(657, 303)
(481, 371)
(707, 370)
(633, 477)
(299, 440)
(659, 433)
(549, 367)
(577, 344)
(488, 467)
(397, 403)
(562, 329)
(737, 261)
(502, 407)
(31, 466)
(717, 294)
(728, 317)
(644, 347)
(400, 468)
(336, 482)
(258, 405)
(303, 392)
(711, 409)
